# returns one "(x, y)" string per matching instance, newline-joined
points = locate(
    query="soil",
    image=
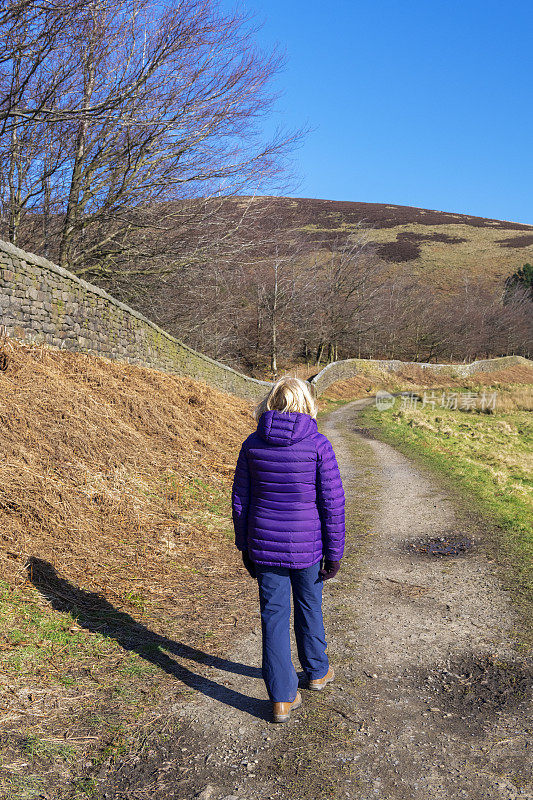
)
(431, 693)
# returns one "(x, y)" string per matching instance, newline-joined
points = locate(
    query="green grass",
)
(36, 638)
(84, 788)
(487, 456)
(207, 501)
(78, 662)
(38, 748)
(21, 787)
(51, 651)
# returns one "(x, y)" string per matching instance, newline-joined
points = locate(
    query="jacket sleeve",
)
(240, 499)
(330, 501)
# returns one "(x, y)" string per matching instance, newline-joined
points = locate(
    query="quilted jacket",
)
(287, 496)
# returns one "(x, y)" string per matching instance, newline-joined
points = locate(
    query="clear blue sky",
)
(415, 102)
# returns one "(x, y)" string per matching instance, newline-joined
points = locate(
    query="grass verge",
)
(82, 679)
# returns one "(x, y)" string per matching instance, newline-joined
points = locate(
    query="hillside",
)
(437, 245)
(411, 377)
(211, 286)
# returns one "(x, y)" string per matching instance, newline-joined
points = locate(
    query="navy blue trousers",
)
(275, 602)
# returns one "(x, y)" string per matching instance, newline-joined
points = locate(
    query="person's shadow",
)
(96, 614)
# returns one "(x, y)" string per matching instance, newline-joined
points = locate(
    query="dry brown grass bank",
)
(119, 477)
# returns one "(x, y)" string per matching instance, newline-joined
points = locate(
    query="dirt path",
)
(430, 702)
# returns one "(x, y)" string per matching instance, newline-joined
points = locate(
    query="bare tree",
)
(349, 275)
(278, 291)
(419, 324)
(159, 105)
(32, 34)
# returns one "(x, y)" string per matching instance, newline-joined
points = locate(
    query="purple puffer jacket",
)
(287, 496)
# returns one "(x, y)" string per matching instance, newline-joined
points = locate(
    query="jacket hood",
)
(285, 427)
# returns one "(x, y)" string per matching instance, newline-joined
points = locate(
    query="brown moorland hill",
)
(439, 246)
(202, 273)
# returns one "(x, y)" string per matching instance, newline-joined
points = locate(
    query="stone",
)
(206, 793)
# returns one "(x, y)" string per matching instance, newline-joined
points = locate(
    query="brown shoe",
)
(317, 684)
(282, 711)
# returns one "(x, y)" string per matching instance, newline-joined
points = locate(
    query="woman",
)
(288, 515)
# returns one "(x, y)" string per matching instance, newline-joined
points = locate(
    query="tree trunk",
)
(274, 343)
(259, 326)
(273, 354)
(14, 169)
(417, 340)
(77, 169)
(46, 211)
(306, 352)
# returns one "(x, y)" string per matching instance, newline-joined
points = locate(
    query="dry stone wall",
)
(43, 303)
(340, 370)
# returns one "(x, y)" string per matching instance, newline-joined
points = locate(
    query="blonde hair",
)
(289, 394)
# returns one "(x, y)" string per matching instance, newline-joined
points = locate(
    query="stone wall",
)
(340, 370)
(43, 303)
